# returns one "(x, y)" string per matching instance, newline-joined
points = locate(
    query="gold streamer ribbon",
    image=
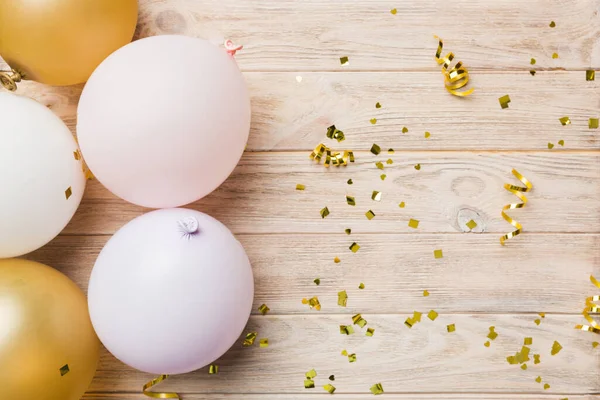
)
(591, 306)
(517, 191)
(455, 78)
(156, 395)
(9, 79)
(331, 158)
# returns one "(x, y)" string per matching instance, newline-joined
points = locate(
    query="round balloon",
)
(163, 121)
(171, 291)
(41, 175)
(60, 42)
(48, 347)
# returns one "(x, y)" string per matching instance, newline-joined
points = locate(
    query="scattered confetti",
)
(538, 379)
(552, 24)
(370, 215)
(455, 78)
(492, 335)
(68, 192)
(402, 204)
(546, 386)
(250, 338)
(64, 370)
(317, 281)
(344, 353)
(532, 62)
(377, 389)
(332, 377)
(517, 191)
(410, 322)
(344, 61)
(348, 231)
(404, 130)
(264, 342)
(373, 121)
(354, 247)
(556, 348)
(379, 165)
(536, 359)
(528, 341)
(565, 121)
(334, 133)
(361, 286)
(311, 374)
(383, 176)
(418, 167)
(451, 327)
(324, 212)
(550, 146)
(555, 55)
(417, 316)
(524, 367)
(438, 253)
(393, 11)
(342, 298)
(309, 384)
(337, 260)
(329, 388)
(487, 343)
(561, 142)
(77, 155)
(346, 329)
(427, 135)
(300, 187)
(350, 200)
(313, 303)
(413, 223)
(352, 357)
(331, 158)
(370, 332)
(590, 75)
(375, 149)
(504, 100)
(389, 161)
(471, 224)
(593, 123)
(376, 195)
(425, 293)
(595, 344)
(377, 105)
(213, 369)
(537, 321)
(263, 309)
(532, 72)
(432, 315)
(359, 320)
(349, 182)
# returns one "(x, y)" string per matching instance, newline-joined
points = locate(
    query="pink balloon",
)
(171, 291)
(163, 121)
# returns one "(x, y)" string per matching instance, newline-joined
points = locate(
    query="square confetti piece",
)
(451, 327)
(504, 100)
(590, 75)
(413, 223)
(344, 61)
(438, 254)
(593, 123)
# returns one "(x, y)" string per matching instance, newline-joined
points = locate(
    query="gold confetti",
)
(393, 11)
(590, 75)
(389, 161)
(543, 315)
(332, 377)
(334, 133)
(373, 121)
(329, 388)
(370, 215)
(552, 24)
(404, 130)
(344, 353)
(64, 370)
(546, 386)
(346, 329)
(305, 301)
(331, 158)
(359, 320)
(312, 374)
(263, 309)
(451, 327)
(537, 321)
(594, 123)
(471, 224)
(213, 369)
(532, 62)
(455, 78)
(492, 335)
(413, 223)
(352, 357)
(538, 379)
(77, 155)
(370, 332)
(250, 338)
(157, 395)
(427, 135)
(432, 315)
(550, 146)
(336, 260)
(402, 204)
(561, 142)
(377, 389)
(350, 200)
(300, 186)
(354, 247)
(361, 286)
(418, 167)
(376, 195)
(487, 343)
(504, 100)
(379, 165)
(264, 342)
(390, 151)
(536, 359)
(438, 253)
(342, 298)
(555, 55)
(565, 121)
(324, 212)
(344, 61)
(68, 192)
(378, 105)
(425, 293)
(517, 191)
(410, 322)
(314, 303)
(524, 367)
(317, 281)
(375, 149)
(383, 176)
(528, 341)
(349, 182)
(532, 72)
(556, 348)
(417, 316)
(309, 384)
(512, 360)
(348, 231)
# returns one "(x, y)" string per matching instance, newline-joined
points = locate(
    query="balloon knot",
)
(232, 48)
(189, 226)
(9, 79)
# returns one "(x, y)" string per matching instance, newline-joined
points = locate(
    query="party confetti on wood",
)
(550, 146)
(346, 330)
(413, 223)
(492, 335)
(329, 388)
(156, 395)
(528, 341)
(517, 191)
(455, 78)
(344, 353)
(213, 369)
(595, 344)
(524, 367)
(350, 200)
(404, 130)
(375, 149)
(352, 357)
(438, 253)
(313, 302)
(309, 384)
(451, 328)
(418, 167)
(64, 370)
(532, 62)
(554, 56)
(342, 298)
(377, 389)
(532, 72)
(359, 320)
(425, 293)
(389, 161)
(591, 306)
(427, 135)
(561, 142)
(471, 224)
(332, 377)
(590, 75)
(378, 105)
(537, 321)
(594, 123)
(312, 374)
(565, 121)
(393, 11)
(349, 182)
(354, 247)
(546, 386)
(402, 204)
(373, 121)
(334, 133)
(376, 195)
(487, 343)
(264, 342)
(370, 215)
(317, 281)
(300, 186)
(337, 260)
(379, 165)
(324, 212)
(68, 192)
(331, 158)
(552, 24)
(383, 176)
(263, 309)
(344, 61)
(536, 359)
(361, 286)
(250, 338)
(504, 100)
(432, 315)
(370, 332)
(348, 231)
(538, 379)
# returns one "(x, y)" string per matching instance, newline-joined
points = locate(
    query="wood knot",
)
(170, 21)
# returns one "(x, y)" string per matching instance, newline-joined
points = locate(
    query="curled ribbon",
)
(591, 306)
(156, 395)
(517, 191)
(232, 48)
(331, 158)
(456, 77)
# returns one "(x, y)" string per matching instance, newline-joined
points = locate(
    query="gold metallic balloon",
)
(61, 42)
(48, 347)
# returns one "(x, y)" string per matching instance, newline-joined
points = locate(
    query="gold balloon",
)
(48, 347)
(61, 42)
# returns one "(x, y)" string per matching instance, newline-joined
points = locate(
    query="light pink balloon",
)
(171, 291)
(163, 121)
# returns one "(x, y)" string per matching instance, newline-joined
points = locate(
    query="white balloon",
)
(171, 291)
(41, 178)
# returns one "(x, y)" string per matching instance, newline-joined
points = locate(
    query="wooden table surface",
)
(291, 60)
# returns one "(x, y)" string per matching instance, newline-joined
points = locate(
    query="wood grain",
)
(475, 275)
(288, 115)
(388, 396)
(448, 191)
(423, 359)
(314, 34)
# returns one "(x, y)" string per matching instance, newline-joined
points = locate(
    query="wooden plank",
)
(423, 359)
(288, 115)
(388, 396)
(448, 191)
(534, 273)
(314, 34)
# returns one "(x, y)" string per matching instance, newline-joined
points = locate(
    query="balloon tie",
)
(189, 227)
(9, 79)
(232, 48)
(156, 395)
